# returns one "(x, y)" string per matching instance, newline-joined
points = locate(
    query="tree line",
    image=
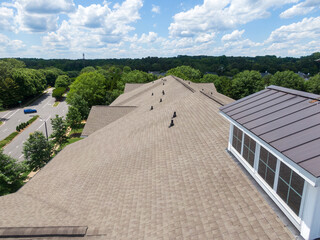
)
(248, 82)
(222, 65)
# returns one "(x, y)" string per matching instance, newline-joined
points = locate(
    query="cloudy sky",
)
(141, 28)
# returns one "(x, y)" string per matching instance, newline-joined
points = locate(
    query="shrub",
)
(58, 92)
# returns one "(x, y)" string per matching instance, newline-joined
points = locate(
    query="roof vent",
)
(189, 83)
(171, 124)
(174, 115)
(163, 93)
(160, 99)
(211, 93)
(151, 94)
(163, 84)
(151, 108)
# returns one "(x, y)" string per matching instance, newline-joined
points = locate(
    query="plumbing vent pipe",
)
(174, 115)
(160, 99)
(151, 108)
(163, 92)
(171, 124)
(152, 94)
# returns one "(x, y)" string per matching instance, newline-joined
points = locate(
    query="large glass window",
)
(290, 187)
(267, 166)
(237, 139)
(249, 148)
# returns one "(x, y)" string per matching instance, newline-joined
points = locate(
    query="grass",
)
(56, 103)
(76, 132)
(33, 119)
(1, 123)
(8, 139)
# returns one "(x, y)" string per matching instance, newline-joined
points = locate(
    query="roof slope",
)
(101, 116)
(131, 86)
(287, 119)
(138, 179)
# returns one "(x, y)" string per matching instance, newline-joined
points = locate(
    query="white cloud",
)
(6, 18)
(234, 36)
(96, 26)
(37, 15)
(295, 38)
(7, 45)
(148, 38)
(307, 28)
(215, 16)
(301, 8)
(155, 9)
(46, 6)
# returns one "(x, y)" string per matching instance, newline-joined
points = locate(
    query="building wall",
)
(307, 221)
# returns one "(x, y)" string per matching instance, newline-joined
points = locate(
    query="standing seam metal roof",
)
(286, 119)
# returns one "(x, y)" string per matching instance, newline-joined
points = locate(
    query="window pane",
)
(263, 154)
(294, 201)
(262, 169)
(251, 159)
(282, 190)
(252, 145)
(285, 172)
(270, 177)
(245, 152)
(297, 183)
(272, 162)
(237, 139)
(246, 140)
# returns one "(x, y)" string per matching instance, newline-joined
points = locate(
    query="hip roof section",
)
(286, 119)
(138, 179)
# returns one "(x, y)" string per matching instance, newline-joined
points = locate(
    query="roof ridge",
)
(295, 92)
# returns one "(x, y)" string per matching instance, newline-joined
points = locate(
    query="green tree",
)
(186, 73)
(313, 84)
(246, 83)
(209, 78)
(87, 69)
(37, 151)
(73, 117)
(126, 69)
(80, 104)
(288, 79)
(62, 81)
(51, 74)
(12, 174)
(57, 93)
(90, 87)
(59, 130)
(223, 85)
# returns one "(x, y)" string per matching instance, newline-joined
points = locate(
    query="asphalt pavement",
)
(10, 119)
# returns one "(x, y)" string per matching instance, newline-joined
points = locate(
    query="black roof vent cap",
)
(171, 124)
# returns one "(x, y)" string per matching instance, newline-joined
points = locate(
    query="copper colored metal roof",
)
(286, 119)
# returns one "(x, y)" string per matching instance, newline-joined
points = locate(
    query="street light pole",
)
(45, 124)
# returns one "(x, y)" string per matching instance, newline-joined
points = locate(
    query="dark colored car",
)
(29, 110)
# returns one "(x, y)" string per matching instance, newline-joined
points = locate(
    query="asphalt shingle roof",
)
(138, 179)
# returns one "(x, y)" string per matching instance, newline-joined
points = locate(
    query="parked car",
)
(29, 110)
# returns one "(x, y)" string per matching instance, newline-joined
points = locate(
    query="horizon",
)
(135, 29)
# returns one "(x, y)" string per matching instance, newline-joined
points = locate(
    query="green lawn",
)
(1, 123)
(56, 103)
(8, 139)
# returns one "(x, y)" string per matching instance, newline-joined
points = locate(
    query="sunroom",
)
(275, 135)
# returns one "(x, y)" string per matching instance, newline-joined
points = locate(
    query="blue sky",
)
(140, 28)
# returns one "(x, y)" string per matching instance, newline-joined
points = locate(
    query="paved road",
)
(11, 119)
